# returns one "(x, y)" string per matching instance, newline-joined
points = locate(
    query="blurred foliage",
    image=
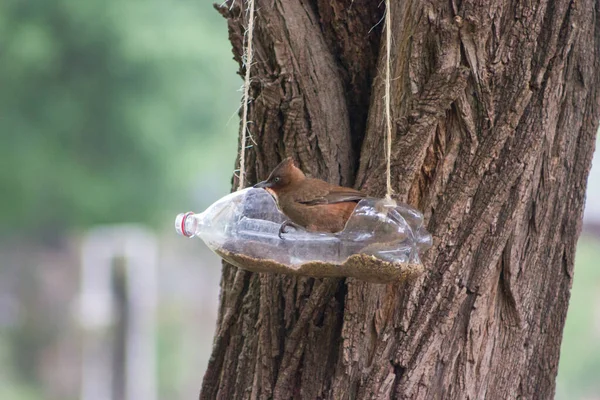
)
(579, 368)
(110, 112)
(105, 107)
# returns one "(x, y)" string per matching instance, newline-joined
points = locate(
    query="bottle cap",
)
(183, 225)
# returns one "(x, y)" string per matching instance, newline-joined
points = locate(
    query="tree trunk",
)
(495, 110)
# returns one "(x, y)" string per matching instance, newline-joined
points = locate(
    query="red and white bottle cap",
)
(184, 224)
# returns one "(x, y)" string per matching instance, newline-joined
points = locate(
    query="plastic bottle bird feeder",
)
(380, 243)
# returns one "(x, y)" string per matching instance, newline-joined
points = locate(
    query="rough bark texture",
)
(496, 107)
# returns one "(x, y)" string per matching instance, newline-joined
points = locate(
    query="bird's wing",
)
(322, 193)
(334, 197)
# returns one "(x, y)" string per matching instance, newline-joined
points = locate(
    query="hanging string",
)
(245, 99)
(248, 54)
(388, 112)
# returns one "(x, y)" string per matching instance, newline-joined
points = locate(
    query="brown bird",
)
(310, 203)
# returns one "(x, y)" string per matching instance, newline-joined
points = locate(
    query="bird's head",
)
(284, 175)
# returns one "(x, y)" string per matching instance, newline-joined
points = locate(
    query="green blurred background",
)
(116, 112)
(111, 112)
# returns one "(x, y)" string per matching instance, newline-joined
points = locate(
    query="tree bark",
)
(495, 109)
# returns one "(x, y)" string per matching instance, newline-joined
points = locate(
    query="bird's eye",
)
(277, 179)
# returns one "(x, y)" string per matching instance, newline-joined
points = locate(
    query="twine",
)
(388, 112)
(248, 54)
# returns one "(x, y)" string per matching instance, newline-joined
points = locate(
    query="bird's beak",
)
(263, 184)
